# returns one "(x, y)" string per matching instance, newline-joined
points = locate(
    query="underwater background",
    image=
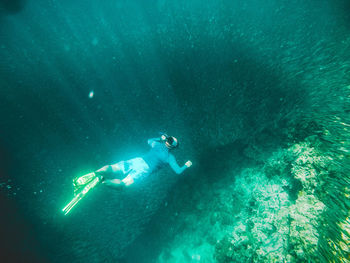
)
(257, 92)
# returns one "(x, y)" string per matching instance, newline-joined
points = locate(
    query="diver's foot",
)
(101, 178)
(83, 180)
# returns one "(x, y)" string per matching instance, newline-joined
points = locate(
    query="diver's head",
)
(170, 142)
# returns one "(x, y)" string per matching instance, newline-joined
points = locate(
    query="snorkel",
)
(169, 141)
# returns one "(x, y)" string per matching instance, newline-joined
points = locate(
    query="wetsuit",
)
(159, 155)
(155, 158)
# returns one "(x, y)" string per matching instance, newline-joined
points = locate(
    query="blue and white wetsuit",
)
(154, 159)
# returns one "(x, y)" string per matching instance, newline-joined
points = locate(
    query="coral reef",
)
(293, 208)
(273, 228)
(270, 213)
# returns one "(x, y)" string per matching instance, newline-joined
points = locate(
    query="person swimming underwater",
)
(131, 170)
(157, 157)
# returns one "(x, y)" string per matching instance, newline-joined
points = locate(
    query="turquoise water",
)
(244, 85)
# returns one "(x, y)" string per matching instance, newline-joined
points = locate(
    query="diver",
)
(158, 156)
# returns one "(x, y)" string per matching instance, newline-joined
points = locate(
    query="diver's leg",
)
(115, 183)
(105, 169)
(102, 172)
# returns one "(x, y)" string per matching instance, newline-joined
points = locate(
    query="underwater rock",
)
(255, 237)
(276, 229)
(279, 212)
(304, 221)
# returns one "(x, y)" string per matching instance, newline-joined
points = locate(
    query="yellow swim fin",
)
(80, 192)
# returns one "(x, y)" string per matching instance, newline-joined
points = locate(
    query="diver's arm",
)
(177, 169)
(152, 141)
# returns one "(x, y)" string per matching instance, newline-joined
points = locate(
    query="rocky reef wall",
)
(292, 208)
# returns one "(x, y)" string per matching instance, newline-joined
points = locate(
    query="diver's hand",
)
(188, 164)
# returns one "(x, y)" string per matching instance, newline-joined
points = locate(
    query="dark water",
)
(220, 75)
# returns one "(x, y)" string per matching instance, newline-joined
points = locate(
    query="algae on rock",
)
(276, 229)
